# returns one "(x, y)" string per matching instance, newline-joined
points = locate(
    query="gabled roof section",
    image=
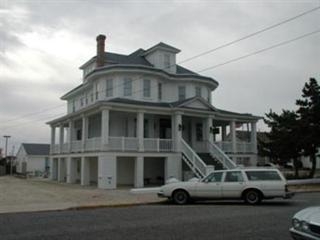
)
(194, 103)
(36, 148)
(162, 46)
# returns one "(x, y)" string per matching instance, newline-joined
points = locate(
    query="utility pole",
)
(6, 148)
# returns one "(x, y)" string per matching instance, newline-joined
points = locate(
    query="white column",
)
(138, 172)
(70, 135)
(140, 129)
(209, 125)
(107, 171)
(61, 170)
(253, 137)
(71, 170)
(53, 169)
(178, 130)
(233, 136)
(85, 171)
(84, 132)
(173, 166)
(61, 137)
(53, 138)
(104, 128)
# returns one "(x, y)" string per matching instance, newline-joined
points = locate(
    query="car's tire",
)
(180, 197)
(252, 196)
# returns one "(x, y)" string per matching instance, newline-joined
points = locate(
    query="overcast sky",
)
(42, 44)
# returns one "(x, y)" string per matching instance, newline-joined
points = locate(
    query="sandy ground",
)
(23, 195)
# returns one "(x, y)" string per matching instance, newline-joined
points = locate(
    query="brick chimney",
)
(100, 50)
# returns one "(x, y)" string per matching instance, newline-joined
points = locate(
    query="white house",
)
(139, 119)
(33, 158)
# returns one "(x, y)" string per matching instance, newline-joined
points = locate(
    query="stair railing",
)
(193, 160)
(217, 153)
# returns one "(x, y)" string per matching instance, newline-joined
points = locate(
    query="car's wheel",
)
(180, 197)
(252, 197)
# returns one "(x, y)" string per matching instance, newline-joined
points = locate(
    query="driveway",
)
(23, 195)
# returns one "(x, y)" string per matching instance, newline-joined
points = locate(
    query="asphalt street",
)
(207, 220)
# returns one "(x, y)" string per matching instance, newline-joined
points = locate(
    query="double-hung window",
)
(198, 91)
(146, 88)
(166, 61)
(182, 92)
(109, 87)
(127, 87)
(160, 91)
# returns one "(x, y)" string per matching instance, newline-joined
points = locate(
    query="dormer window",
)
(198, 91)
(167, 61)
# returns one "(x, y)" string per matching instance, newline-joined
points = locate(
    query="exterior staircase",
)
(203, 163)
(209, 160)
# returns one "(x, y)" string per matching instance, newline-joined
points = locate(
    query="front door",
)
(210, 187)
(165, 128)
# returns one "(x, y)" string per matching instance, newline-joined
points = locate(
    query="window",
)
(86, 98)
(97, 91)
(209, 94)
(146, 128)
(234, 177)
(263, 176)
(109, 88)
(127, 87)
(199, 132)
(214, 177)
(182, 92)
(198, 91)
(81, 101)
(73, 105)
(146, 88)
(91, 97)
(159, 91)
(166, 61)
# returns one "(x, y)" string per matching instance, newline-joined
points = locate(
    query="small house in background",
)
(33, 158)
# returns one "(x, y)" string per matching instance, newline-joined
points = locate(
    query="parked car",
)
(250, 184)
(306, 224)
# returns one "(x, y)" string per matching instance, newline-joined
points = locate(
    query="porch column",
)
(107, 171)
(71, 170)
(178, 130)
(61, 137)
(70, 135)
(53, 139)
(233, 136)
(84, 132)
(140, 129)
(253, 137)
(85, 171)
(209, 125)
(224, 132)
(138, 172)
(104, 128)
(53, 169)
(61, 170)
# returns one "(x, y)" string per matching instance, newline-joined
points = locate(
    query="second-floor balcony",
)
(118, 144)
(132, 144)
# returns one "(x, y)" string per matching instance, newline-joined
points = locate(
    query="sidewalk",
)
(24, 195)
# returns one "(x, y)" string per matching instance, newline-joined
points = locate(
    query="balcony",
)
(122, 144)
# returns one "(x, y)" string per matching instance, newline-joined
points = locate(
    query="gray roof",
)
(36, 149)
(138, 58)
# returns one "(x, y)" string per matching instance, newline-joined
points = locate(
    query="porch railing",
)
(76, 146)
(157, 145)
(244, 147)
(241, 147)
(225, 146)
(93, 144)
(123, 144)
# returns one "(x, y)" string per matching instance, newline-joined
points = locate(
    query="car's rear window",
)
(263, 176)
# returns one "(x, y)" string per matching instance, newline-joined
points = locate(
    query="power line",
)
(260, 51)
(252, 34)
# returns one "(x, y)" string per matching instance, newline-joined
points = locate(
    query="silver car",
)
(306, 224)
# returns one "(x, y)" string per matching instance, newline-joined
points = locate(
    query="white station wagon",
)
(250, 184)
